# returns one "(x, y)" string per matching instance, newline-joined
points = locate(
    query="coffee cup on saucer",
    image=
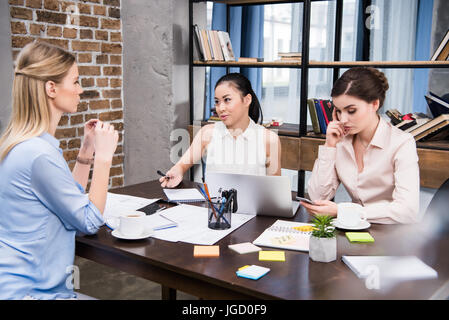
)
(350, 214)
(132, 224)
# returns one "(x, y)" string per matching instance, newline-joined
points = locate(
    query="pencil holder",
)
(219, 215)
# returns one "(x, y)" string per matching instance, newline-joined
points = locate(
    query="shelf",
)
(264, 64)
(325, 64)
(251, 2)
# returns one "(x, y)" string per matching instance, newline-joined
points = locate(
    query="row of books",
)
(213, 45)
(320, 114)
(422, 127)
(442, 51)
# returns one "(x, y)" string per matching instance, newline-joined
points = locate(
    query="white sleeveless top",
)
(245, 154)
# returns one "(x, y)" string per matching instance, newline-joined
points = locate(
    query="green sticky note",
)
(271, 255)
(359, 237)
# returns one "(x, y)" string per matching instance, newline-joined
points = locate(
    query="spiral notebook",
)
(285, 235)
(184, 195)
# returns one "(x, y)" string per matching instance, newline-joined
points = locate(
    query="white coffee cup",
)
(132, 223)
(350, 214)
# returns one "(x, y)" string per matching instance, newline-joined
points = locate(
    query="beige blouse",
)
(388, 186)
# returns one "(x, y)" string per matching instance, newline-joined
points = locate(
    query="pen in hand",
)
(163, 174)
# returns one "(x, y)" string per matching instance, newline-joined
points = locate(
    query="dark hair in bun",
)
(367, 84)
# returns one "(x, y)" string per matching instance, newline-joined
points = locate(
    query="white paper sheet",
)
(192, 225)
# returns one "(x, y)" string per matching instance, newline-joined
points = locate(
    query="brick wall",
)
(92, 31)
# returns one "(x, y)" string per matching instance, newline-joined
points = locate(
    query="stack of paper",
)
(245, 247)
(252, 272)
(184, 195)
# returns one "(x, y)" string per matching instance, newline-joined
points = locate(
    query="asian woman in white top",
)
(376, 162)
(236, 144)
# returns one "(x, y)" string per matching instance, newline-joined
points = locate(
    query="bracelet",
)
(88, 161)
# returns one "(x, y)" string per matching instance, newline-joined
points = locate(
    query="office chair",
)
(438, 207)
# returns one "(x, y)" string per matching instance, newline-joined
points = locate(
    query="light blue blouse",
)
(41, 209)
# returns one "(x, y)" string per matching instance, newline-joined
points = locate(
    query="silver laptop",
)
(261, 195)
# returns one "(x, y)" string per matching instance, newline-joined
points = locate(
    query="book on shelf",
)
(213, 45)
(320, 114)
(313, 116)
(290, 54)
(250, 59)
(435, 129)
(436, 104)
(442, 51)
(406, 124)
(394, 115)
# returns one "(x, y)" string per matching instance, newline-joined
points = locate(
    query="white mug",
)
(132, 223)
(350, 214)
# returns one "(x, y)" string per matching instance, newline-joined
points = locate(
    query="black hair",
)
(242, 84)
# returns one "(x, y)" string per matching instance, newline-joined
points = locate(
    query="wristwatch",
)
(84, 160)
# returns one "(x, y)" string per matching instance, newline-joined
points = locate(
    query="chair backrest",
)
(439, 206)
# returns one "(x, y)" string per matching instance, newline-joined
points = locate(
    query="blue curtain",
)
(246, 33)
(422, 52)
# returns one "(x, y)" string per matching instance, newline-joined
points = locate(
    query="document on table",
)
(192, 225)
(118, 204)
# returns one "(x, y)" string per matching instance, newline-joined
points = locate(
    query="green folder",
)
(359, 237)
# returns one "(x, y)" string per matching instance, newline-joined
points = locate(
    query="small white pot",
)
(323, 249)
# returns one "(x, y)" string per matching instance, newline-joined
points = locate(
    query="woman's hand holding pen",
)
(172, 178)
(335, 131)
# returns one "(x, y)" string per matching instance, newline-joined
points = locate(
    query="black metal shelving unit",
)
(305, 64)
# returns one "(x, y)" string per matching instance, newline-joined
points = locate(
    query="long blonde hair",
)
(37, 63)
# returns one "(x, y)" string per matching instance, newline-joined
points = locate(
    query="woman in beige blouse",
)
(376, 162)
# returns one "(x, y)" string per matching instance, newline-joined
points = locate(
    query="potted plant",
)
(323, 243)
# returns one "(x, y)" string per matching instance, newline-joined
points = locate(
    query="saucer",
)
(362, 225)
(147, 233)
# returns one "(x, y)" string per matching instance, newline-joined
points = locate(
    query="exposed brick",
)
(102, 82)
(21, 13)
(89, 70)
(76, 119)
(70, 155)
(102, 59)
(16, 2)
(37, 4)
(63, 121)
(90, 94)
(75, 143)
(115, 48)
(100, 10)
(18, 27)
(112, 71)
(36, 29)
(116, 83)
(117, 160)
(111, 115)
(116, 36)
(20, 42)
(84, 8)
(116, 104)
(98, 104)
(114, 13)
(84, 57)
(85, 46)
(87, 21)
(65, 133)
(82, 106)
(115, 171)
(86, 34)
(115, 3)
(51, 5)
(101, 35)
(51, 17)
(117, 182)
(115, 59)
(87, 82)
(110, 24)
(56, 42)
(63, 144)
(112, 93)
(88, 117)
(54, 31)
(70, 33)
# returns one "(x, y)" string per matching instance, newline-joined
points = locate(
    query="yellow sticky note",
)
(271, 255)
(206, 251)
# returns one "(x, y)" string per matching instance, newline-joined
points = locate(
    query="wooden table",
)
(174, 267)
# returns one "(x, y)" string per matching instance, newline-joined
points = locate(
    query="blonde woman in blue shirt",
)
(43, 203)
(236, 144)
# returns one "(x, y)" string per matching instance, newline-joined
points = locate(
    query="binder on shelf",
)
(442, 51)
(320, 115)
(436, 105)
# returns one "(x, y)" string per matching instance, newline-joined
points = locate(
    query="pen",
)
(159, 172)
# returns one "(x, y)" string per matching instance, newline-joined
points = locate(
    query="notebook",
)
(390, 267)
(252, 272)
(184, 195)
(285, 235)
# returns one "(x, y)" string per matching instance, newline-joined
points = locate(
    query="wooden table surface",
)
(173, 265)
